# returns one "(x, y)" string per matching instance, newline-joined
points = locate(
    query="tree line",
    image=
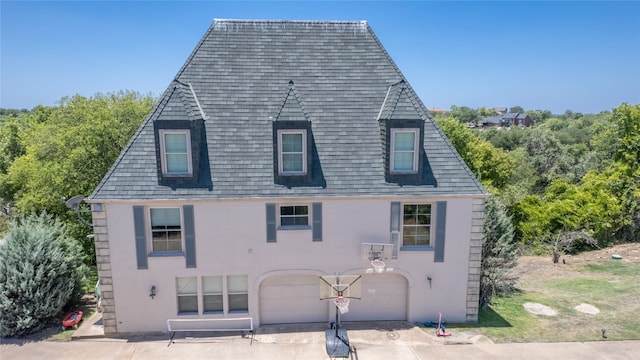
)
(568, 173)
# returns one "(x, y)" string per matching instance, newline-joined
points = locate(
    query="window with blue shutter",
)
(140, 237)
(317, 221)
(441, 224)
(271, 222)
(189, 236)
(395, 228)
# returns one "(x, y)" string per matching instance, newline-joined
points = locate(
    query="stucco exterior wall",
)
(231, 240)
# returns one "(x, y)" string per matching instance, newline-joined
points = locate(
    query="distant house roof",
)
(437, 110)
(243, 75)
(497, 120)
(511, 116)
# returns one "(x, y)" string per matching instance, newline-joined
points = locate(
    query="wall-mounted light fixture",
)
(429, 278)
(152, 293)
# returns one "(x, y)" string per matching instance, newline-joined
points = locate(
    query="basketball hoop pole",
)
(338, 320)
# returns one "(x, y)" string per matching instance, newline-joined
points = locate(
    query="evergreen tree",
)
(39, 274)
(499, 252)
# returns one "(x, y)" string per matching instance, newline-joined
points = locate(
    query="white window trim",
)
(416, 149)
(206, 293)
(228, 293)
(178, 295)
(163, 154)
(155, 253)
(303, 132)
(432, 229)
(295, 227)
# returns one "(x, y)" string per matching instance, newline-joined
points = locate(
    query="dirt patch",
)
(541, 266)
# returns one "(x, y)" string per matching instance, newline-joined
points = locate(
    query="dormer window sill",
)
(403, 172)
(177, 175)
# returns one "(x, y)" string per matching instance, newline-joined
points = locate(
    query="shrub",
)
(499, 252)
(39, 274)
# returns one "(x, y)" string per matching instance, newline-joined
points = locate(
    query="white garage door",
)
(384, 297)
(292, 299)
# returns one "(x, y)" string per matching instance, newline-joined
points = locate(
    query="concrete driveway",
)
(371, 341)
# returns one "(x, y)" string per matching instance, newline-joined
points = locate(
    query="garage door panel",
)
(291, 299)
(384, 297)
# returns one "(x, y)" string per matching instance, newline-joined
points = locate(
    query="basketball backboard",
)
(332, 286)
(380, 251)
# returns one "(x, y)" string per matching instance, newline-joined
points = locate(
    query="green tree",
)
(499, 252)
(11, 144)
(68, 149)
(618, 148)
(491, 165)
(464, 114)
(516, 109)
(39, 274)
(547, 156)
(539, 116)
(509, 139)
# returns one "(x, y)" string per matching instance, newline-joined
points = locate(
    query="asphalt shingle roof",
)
(243, 75)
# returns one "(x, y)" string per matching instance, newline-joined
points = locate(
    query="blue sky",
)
(548, 55)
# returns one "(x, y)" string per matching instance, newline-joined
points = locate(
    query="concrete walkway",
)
(371, 341)
(90, 328)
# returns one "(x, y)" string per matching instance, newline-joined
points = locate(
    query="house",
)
(499, 110)
(508, 119)
(518, 119)
(283, 151)
(494, 121)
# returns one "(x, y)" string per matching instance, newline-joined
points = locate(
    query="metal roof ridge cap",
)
(204, 116)
(361, 22)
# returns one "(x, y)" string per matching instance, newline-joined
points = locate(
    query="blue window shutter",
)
(317, 221)
(271, 222)
(441, 223)
(140, 236)
(395, 228)
(189, 236)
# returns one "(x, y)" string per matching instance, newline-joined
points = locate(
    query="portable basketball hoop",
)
(340, 289)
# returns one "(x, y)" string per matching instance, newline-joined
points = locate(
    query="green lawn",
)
(612, 286)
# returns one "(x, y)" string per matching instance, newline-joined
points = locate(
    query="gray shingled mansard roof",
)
(245, 74)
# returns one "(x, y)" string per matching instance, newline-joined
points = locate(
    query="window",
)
(292, 152)
(166, 229)
(187, 290)
(238, 292)
(212, 294)
(404, 154)
(294, 215)
(416, 225)
(176, 152)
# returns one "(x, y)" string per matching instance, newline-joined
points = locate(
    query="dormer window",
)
(404, 150)
(292, 152)
(404, 153)
(175, 147)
